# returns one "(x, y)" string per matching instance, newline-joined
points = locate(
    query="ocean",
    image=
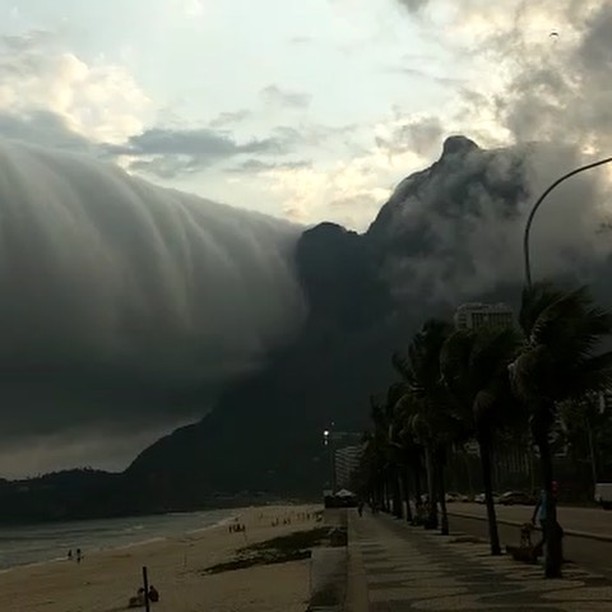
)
(27, 544)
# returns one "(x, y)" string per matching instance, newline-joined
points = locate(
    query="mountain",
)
(367, 294)
(266, 432)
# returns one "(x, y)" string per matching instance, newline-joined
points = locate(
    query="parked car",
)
(511, 498)
(452, 497)
(480, 498)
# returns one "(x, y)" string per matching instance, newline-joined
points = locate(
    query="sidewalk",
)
(408, 568)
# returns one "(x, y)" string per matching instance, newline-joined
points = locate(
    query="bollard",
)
(145, 580)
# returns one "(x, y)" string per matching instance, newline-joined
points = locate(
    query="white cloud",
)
(101, 102)
(524, 84)
(349, 191)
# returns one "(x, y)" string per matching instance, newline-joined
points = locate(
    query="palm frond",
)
(565, 330)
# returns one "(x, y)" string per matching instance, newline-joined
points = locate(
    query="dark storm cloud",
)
(465, 222)
(422, 135)
(168, 152)
(553, 90)
(43, 126)
(125, 303)
(282, 97)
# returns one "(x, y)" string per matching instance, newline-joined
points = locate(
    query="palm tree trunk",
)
(397, 493)
(468, 472)
(418, 492)
(383, 501)
(592, 454)
(432, 507)
(552, 532)
(440, 461)
(485, 460)
(406, 488)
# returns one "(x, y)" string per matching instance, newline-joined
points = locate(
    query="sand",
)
(105, 580)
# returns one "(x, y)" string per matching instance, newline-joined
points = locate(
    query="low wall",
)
(329, 566)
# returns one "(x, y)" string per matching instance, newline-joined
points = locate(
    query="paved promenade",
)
(395, 567)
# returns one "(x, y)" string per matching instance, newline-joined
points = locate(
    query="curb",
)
(567, 532)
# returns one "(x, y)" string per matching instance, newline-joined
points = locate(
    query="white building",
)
(346, 463)
(477, 315)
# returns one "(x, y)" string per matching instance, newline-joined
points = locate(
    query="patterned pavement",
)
(408, 568)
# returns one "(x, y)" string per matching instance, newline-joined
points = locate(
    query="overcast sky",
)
(306, 110)
(128, 306)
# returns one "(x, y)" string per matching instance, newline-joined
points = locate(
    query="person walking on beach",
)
(70, 555)
(79, 555)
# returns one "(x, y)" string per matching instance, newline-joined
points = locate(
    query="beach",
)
(105, 580)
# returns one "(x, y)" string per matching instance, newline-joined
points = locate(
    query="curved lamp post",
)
(533, 211)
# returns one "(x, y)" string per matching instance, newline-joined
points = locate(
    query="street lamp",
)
(533, 211)
(327, 436)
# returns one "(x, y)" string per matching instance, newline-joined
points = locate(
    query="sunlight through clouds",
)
(100, 102)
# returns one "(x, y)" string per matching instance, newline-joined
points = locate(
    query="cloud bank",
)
(521, 86)
(126, 304)
(461, 223)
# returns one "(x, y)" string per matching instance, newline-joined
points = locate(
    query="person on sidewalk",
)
(539, 512)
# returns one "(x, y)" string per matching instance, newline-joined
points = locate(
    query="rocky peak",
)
(458, 145)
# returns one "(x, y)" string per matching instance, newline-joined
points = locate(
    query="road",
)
(586, 520)
(585, 550)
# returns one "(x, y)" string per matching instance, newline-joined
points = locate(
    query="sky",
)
(305, 112)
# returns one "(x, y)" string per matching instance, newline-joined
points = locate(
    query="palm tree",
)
(410, 464)
(400, 449)
(559, 361)
(377, 452)
(424, 407)
(381, 459)
(582, 424)
(374, 458)
(395, 455)
(388, 455)
(474, 367)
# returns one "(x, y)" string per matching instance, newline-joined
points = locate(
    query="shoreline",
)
(103, 535)
(106, 578)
